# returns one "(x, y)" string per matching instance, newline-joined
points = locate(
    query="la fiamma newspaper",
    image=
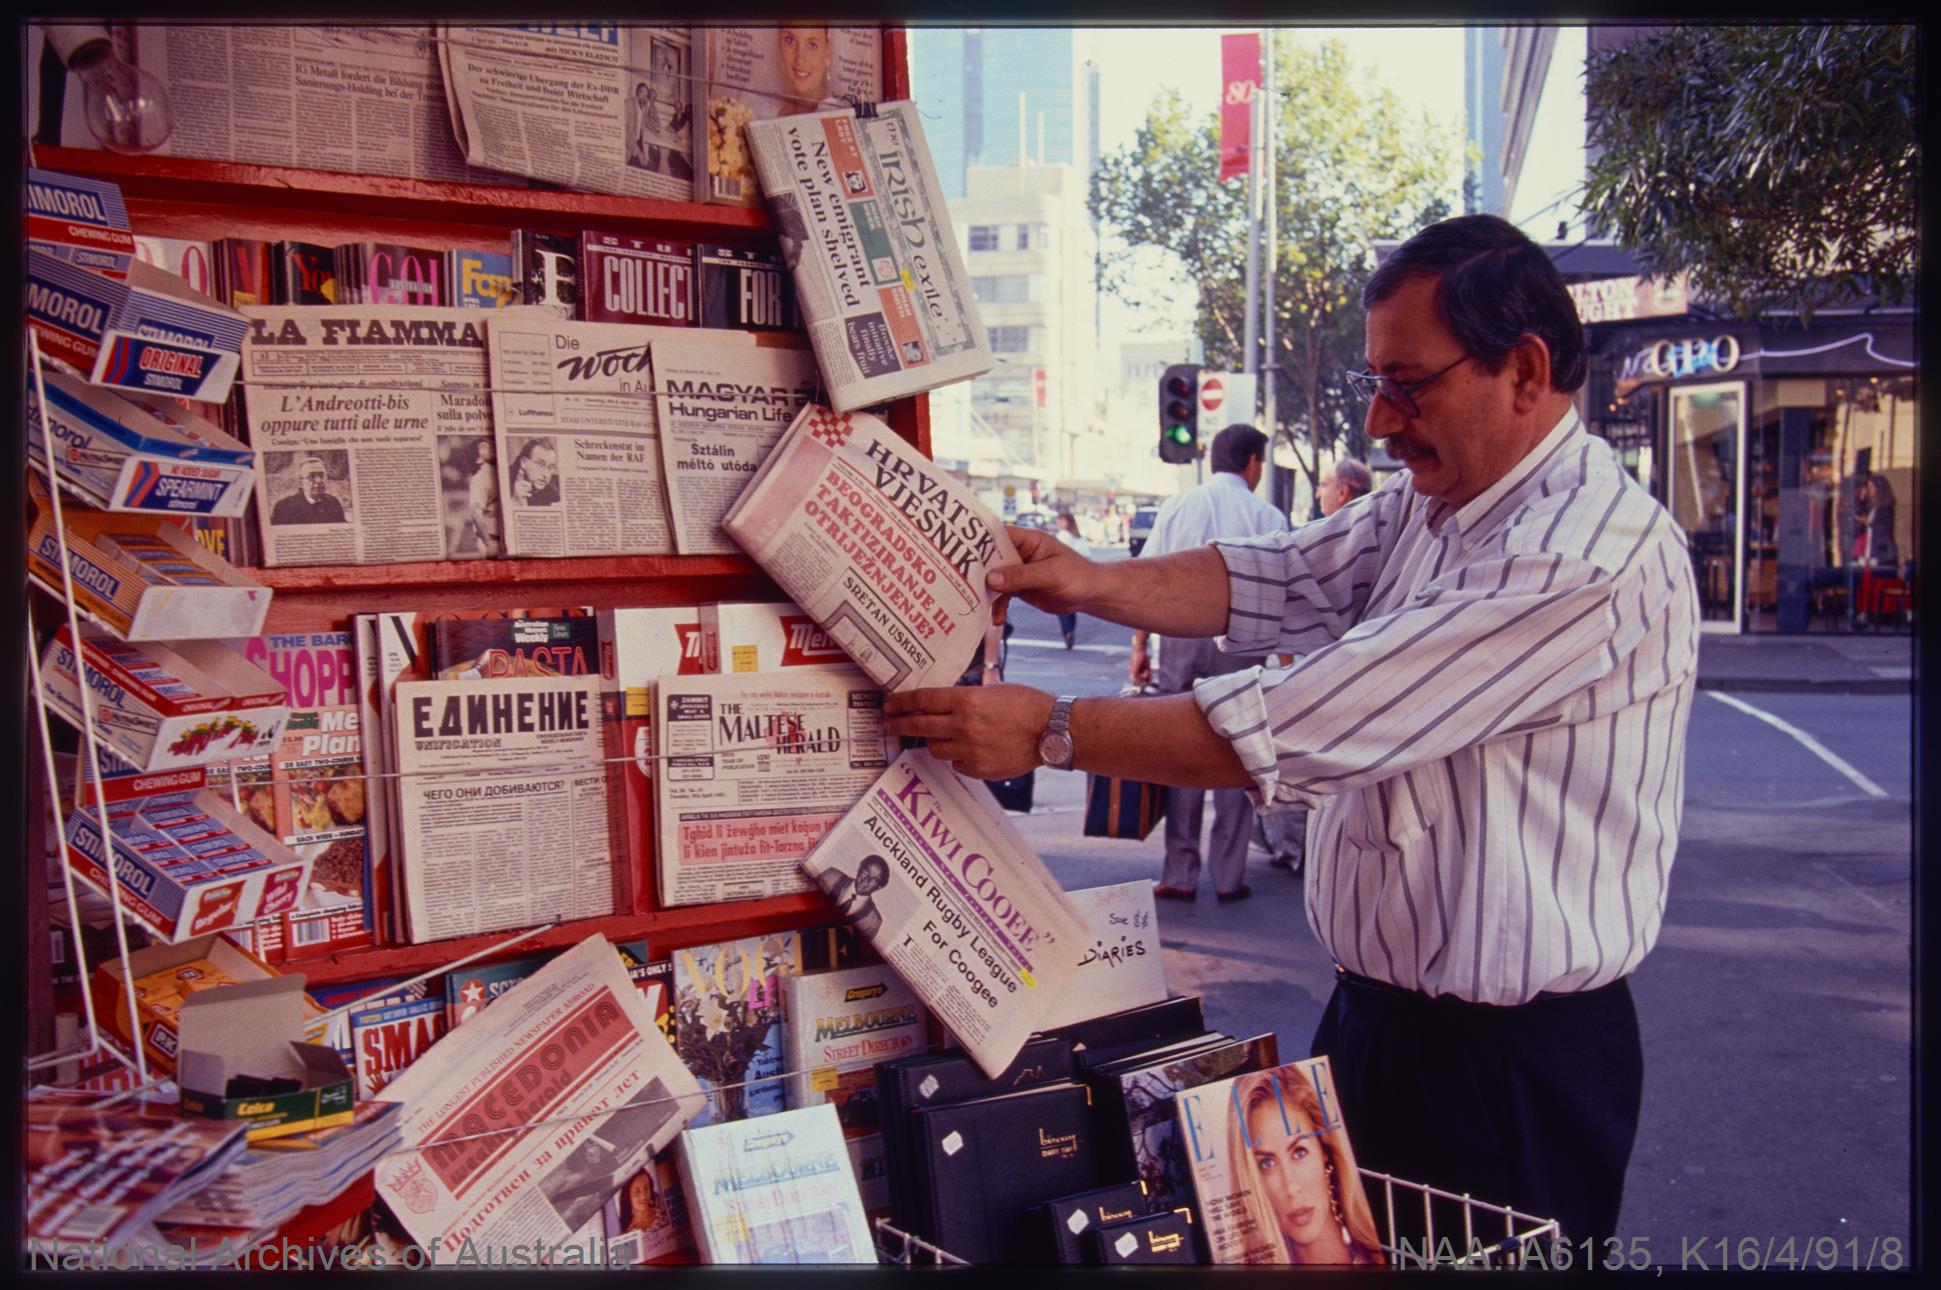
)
(934, 875)
(866, 231)
(875, 542)
(519, 1125)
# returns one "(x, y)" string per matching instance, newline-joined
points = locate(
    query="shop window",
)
(1010, 340)
(983, 237)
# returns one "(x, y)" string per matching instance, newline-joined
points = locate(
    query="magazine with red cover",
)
(636, 280)
(490, 648)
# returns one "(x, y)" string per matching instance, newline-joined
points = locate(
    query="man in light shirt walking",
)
(1225, 506)
(1497, 653)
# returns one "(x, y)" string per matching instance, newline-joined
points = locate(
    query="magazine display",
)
(720, 413)
(756, 73)
(388, 1038)
(95, 1176)
(728, 1010)
(1121, 967)
(936, 877)
(364, 99)
(647, 1219)
(877, 543)
(511, 828)
(637, 648)
(837, 1027)
(275, 1178)
(1238, 1132)
(754, 769)
(777, 1190)
(571, 1067)
(373, 433)
(578, 443)
(866, 231)
(547, 100)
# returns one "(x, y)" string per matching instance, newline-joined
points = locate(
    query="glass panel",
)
(1705, 471)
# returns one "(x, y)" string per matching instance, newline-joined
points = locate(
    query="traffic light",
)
(1179, 413)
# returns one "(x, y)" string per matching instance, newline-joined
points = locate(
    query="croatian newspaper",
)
(503, 809)
(578, 439)
(373, 433)
(755, 73)
(597, 107)
(520, 1125)
(866, 232)
(933, 874)
(720, 413)
(367, 99)
(876, 543)
(755, 768)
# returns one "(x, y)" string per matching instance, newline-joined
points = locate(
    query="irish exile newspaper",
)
(875, 542)
(934, 875)
(519, 1126)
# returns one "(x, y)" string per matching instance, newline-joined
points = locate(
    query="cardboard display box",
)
(187, 863)
(158, 1002)
(127, 455)
(152, 333)
(256, 1028)
(141, 575)
(81, 221)
(163, 707)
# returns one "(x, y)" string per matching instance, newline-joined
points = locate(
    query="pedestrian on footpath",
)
(1497, 655)
(1225, 506)
(1068, 534)
(1283, 834)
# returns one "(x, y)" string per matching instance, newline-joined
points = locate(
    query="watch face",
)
(1055, 748)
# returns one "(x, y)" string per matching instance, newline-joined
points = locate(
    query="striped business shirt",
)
(1488, 715)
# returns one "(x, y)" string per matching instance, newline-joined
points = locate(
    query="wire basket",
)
(1492, 1236)
(898, 1248)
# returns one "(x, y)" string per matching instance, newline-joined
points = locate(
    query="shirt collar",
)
(1500, 498)
(1228, 479)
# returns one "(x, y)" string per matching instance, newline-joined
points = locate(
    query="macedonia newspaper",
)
(932, 873)
(882, 548)
(520, 1124)
(866, 231)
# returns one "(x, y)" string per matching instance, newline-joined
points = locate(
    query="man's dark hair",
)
(1234, 447)
(1495, 287)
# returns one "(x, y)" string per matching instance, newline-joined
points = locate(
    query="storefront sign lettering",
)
(1673, 359)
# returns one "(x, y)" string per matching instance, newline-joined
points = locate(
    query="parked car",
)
(1035, 519)
(1140, 529)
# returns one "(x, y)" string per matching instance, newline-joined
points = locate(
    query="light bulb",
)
(127, 110)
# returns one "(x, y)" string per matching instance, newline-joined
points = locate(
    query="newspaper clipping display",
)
(756, 73)
(755, 768)
(543, 100)
(504, 809)
(865, 230)
(578, 440)
(876, 543)
(365, 100)
(720, 413)
(528, 1118)
(933, 874)
(373, 433)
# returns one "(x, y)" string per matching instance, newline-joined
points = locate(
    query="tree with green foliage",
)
(1352, 166)
(1779, 165)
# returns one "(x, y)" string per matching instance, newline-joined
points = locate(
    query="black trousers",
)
(1533, 1106)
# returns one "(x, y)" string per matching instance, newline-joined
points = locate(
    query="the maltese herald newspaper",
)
(519, 1125)
(866, 231)
(875, 542)
(930, 870)
(596, 107)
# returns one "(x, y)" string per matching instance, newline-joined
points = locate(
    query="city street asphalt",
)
(1775, 1007)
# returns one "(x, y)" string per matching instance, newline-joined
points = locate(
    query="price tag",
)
(746, 658)
(823, 1079)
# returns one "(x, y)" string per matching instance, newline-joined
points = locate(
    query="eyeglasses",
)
(1401, 396)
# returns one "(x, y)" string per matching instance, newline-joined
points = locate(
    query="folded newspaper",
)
(520, 1124)
(876, 543)
(935, 876)
(865, 229)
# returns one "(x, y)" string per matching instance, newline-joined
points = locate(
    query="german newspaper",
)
(876, 543)
(504, 811)
(866, 232)
(755, 767)
(550, 101)
(935, 876)
(373, 433)
(579, 453)
(363, 99)
(720, 413)
(521, 1124)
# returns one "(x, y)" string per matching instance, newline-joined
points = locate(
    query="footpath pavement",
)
(1860, 663)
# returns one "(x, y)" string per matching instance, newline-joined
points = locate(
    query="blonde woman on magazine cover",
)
(1301, 1187)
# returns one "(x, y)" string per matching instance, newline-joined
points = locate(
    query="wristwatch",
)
(1055, 744)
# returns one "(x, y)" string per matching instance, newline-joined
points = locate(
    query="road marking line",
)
(1032, 642)
(1806, 741)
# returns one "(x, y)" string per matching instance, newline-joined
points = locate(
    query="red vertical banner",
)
(1240, 80)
